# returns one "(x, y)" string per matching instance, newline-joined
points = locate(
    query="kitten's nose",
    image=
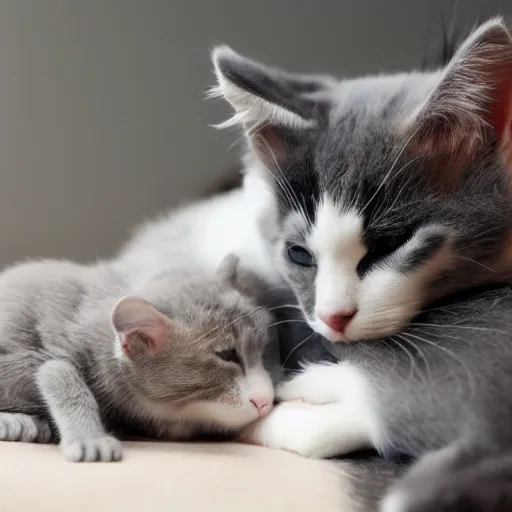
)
(262, 404)
(337, 321)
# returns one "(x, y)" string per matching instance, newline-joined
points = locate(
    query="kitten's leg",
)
(344, 422)
(75, 411)
(24, 428)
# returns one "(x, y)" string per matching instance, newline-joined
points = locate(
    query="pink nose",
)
(262, 404)
(338, 321)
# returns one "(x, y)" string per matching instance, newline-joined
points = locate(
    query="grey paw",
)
(92, 449)
(23, 428)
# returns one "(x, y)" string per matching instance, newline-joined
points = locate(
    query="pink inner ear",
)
(145, 339)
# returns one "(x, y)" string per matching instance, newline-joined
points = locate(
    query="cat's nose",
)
(337, 321)
(262, 404)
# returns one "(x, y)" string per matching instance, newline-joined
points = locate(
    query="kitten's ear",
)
(228, 269)
(243, 280)
(274, 108)
(472, 105)
(140, 327)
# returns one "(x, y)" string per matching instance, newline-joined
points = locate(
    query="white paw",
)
(285, 428)
(91, 449)
(317, 384)
(315, 431)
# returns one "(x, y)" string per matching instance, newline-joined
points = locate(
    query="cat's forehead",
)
(351, 155)
(381, 95)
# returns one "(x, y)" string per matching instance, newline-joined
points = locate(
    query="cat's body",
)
(196, 237)
(84, 351)
(392, 192)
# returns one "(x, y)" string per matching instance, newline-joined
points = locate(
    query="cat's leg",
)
(485, 485)
(422, 485)
(24, 428)
(75, 412)
(318, 383)
(342, 419)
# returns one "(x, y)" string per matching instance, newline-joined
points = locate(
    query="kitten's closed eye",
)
(379, 247)
(230, 355)
(300, 255)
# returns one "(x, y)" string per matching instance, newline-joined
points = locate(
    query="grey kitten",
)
(84, 354)
(392, 192)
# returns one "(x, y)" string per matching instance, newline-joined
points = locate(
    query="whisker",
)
(390, 171)
(476, 263)
(294, 306)
(294, 349)
(296, 320)
(219, 329)
(463, 327)
(446, 351)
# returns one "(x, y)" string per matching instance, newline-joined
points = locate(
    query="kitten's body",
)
(181, 357)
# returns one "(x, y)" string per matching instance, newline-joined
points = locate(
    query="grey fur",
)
(441, 387)
(347, 136)
(63, 374)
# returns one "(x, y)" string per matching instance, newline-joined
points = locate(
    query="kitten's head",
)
(195, 349)
(391, 191)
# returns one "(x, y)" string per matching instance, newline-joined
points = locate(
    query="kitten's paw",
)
(299, 428)
(92, 449)
(317, 384)
(23, 428)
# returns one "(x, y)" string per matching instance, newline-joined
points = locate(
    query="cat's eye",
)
(388, 244)
(300, 256)
(230, 355)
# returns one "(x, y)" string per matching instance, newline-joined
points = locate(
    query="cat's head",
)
(390, 191)
(195, 349)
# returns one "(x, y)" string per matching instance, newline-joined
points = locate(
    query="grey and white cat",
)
(390, 192)
(86, 355)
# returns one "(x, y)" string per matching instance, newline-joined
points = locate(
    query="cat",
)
(389, 193)
(84, 355)
(392, 191)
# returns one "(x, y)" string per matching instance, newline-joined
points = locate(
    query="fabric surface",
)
(169, 477)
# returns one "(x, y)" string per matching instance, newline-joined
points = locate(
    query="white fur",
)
(250, 110)
(385, 299)
(336, 239)
(338, 418)
(228, 223)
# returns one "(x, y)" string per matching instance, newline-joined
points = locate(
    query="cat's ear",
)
(140, 327)
(228, 269)
(471, 106)
(274, 108)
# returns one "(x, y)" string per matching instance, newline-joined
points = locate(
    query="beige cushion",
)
(169, 476)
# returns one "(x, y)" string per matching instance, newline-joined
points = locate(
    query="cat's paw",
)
(316, 384)
(92, 449)
(23, 428)
(299, 428)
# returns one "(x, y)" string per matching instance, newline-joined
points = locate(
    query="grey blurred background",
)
(102, 114)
